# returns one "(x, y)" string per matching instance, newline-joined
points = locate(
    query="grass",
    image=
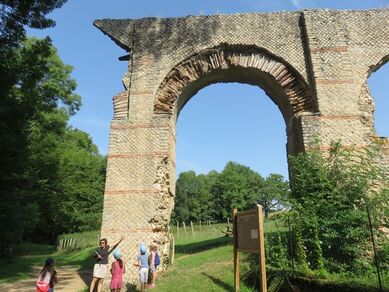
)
(203, 262)
(207, 270)
(20, 265)
(199, 250)
(200, 232)
(205, 232)
(367, 280)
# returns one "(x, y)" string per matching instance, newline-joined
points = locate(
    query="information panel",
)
(249, 237)
(247, 229)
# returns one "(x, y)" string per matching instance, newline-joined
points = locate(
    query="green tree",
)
(67, 175)
(42, 173)
(331, 192)
(273, 193)
(194, 200)
(235, 187)
(15, 15)
(33, 114)
(20, 70)
(50, 174)
(82, 172)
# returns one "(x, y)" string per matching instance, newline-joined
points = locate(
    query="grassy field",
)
(203, 260)
(209, 270)
(20, 265)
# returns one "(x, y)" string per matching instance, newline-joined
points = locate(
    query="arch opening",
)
(376, 102)
(248, 127)
(378, 91)
(242, 64)
(211, 140)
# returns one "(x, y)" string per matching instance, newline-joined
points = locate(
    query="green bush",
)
(330, 193)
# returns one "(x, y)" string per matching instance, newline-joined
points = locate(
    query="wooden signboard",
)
(248, 237)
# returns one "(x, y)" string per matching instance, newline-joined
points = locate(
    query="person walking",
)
(47, 277)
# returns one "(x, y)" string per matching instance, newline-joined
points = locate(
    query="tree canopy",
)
(16, 14)
(51, 175)
(213, 196)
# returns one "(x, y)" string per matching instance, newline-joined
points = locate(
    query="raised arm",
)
(116, 244)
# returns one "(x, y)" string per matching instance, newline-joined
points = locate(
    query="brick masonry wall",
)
(313, 64)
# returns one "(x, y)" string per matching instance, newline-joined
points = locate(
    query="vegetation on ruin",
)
(331, 235)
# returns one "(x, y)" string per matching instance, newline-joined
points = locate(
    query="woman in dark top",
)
(101, 266)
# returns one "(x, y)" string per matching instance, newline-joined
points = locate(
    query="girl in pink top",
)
(117, 270)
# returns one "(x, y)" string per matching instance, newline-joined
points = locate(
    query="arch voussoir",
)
(297, 92)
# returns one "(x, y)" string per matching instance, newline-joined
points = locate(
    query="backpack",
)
(157, 260)
(43, 283)
(42, 286)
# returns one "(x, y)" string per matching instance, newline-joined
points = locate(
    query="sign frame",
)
(249, 237)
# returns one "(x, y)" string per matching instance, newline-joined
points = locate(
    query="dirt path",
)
(71, 279)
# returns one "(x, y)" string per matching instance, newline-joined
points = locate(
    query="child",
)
(117, 270)
(47, 277)
(143, 264)
(154, 262)
(100, 268)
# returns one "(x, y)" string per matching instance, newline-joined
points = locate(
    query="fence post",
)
(374, 249)
(172, 245)
(236, 253)
(183, 224)
(178, 230)
(191, 227)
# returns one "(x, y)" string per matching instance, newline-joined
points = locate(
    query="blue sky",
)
(206, 136)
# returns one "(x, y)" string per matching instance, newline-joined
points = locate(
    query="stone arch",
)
(236, 63)
(318, 85)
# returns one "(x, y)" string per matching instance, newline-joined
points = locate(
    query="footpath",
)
(70, 279)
